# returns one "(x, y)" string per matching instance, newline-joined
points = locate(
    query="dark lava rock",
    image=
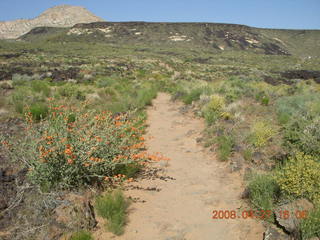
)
(301, 74)
(63, 75)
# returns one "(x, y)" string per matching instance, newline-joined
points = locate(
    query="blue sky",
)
(291, 14)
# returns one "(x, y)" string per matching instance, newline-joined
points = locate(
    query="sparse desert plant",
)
(213, 109)
(113, 206)
(261, 133)
(263, 191)
(300, 177)
(225, 146)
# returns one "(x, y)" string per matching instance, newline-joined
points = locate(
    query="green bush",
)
(81, 235)
(225, 146)
(144, 97)
(193, 95)
(310, 226)
(38, 111)
(113, 206)
(263, 192)
(300, 177)
(263, 98)
(67, 90)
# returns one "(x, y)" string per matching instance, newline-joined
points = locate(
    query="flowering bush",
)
(213, 109)
(300, 177)
(75, 147)
(261, 133)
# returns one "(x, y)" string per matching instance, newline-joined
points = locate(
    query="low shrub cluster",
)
(263, 191)
(299, 115)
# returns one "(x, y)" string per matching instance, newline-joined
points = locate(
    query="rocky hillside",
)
(59, 16)
(207, 36)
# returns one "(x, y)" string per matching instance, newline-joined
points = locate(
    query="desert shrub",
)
(113, 206)
(234, 88)
(263, 98)
(40, 87)
(261, 133)
(213, 109)
(81, 235)
(303, 133)
(105, 82)
(20, 80)
(225, 146)
(263, 191)
(38, 110)
(310, 137)
(67, 90)
(300, 177)
(20, 98)
(299, 105)
(310, 226)
(194, 94)
(247, 154)
(76, 147)
(144, 97)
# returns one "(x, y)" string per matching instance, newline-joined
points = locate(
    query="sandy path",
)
(182, 209)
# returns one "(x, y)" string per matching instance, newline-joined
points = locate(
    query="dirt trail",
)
(182, 209)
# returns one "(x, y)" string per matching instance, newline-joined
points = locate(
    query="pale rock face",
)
(59, 16)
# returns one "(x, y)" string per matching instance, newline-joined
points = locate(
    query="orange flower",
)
(70, 161)
(68, 151)
(86, 164)
(106, 178)
(99, 139)
(118, 124)
(141, 139)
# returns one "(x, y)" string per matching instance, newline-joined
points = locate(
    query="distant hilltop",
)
(58, 16)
